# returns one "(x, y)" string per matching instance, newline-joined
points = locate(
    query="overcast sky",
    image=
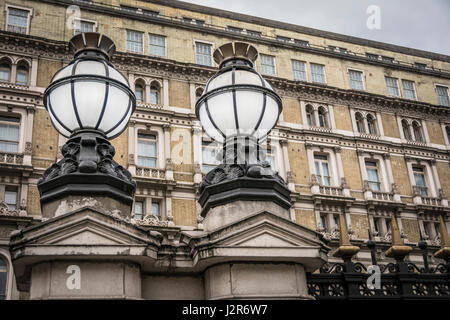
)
(420, 24)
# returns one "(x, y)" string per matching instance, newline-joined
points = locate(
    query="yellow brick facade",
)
(178, 73)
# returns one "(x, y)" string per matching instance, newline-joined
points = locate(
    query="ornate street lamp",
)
(89, 102)
(239, 108)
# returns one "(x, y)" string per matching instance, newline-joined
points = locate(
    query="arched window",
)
(360, 123)
(310, 115)
(3, 278)
(323, 118)
(406, 132)
(139, 91)
(418, 136)
(198, 93)
(22, 73)
(155, 97)
(371, 124)
(5, 71)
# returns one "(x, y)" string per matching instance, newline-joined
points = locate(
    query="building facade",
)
(365, 128)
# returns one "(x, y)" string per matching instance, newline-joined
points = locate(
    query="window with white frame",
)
(420, 181)
(5, 70)
(323, 117)
(417, 130)
(155, 90)
(299, 70)
(373, 177)
(360, 122)
(83, 26)
(9, 134)
(147, 152)
(310, 119)
(3, 278)
(157, 45)
(371, 124)
(406, 130)
(210, 151)
(267, 64)
(271, 158)
(322, 170)
(11, 197)
(156, 209)
(356, 79)
(392, 86)
(431, 229)
(317, 73)
(22, 73)
(138, 210)
(17, 20)
(135, 41)
(203, 53)
(408, 89)
(442, 93)
(139, 91)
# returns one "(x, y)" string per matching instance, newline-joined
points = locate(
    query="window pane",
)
(392, 87)
(22, 77)
(139, 91)
(17, 20)
(11, 199)
(155, 209)
(154, 96)
(267, 64)
(83, 26)
(408, 89)
(356, 81)
(203, 53)
(134, 41)
(9, 137)
(138, 210)
(317, 73)
(209, 156)
(4, 73)
(146, 151)
(157, 45)
(298, 70)
(443, 96)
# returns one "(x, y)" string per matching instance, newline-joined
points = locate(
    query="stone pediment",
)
(265, 229)
(83, 230)
(259, 237)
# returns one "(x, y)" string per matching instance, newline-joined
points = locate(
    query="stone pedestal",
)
(85, 280)
(256, 281)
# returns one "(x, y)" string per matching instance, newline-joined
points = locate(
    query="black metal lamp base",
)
(231, 182)
(88, 168)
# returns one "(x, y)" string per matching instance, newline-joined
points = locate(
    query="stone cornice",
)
(115, 11)
(165, 68)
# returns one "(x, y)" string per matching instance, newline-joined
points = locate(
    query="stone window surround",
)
(147, 81)
(383, 229)
(147, 200)
(422, 124)
(435, 84)
(30, 15)
(364, 113)
(143, 41)
(329, 113)
(334, 162)
(444, 132)
(87, 20)
(274, 65)
(26, 115)
(213, 47)
(430, 174)
(14, 61)
(384, 168)
(162, 143)
(363, 78)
